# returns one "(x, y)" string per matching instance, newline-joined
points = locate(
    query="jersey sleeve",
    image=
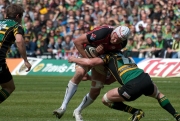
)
(105, 58)
(98, 34)
(18, 30)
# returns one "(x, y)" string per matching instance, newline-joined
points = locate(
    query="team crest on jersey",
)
(93, 36)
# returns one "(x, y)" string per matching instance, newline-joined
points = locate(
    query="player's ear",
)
(17, 16)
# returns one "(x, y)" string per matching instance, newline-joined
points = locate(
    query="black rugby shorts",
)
(5, 75)
(137, 87)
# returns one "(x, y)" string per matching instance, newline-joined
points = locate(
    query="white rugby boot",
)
(77, 115)
(59, 112)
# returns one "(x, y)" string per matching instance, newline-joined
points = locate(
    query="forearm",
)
(22, 49)
(80, 49)
(87, 62)
(81, 61)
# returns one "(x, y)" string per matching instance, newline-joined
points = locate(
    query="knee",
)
(103, 101)
(97, 84)
(10, 89)
(106, 101)
(86, 77)
(80, 72)
(159, 96)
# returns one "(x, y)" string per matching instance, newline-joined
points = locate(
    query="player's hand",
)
(28, 65)
(100, 49)
(70, 59)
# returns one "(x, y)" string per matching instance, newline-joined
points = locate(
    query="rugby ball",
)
(91, 51)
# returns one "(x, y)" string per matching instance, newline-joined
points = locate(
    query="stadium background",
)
(51, 25)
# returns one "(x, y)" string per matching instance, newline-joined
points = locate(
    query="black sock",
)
(164, 103)
(123, 107)
(3, 95)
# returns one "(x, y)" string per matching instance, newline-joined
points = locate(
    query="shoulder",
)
(18, 26)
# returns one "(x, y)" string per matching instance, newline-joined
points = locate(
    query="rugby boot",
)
(77, 115)
(59, 112)
(177, 116)
(137, 115)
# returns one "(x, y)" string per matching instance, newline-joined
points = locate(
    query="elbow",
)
(75, 41)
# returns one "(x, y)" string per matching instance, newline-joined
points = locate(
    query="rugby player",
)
(135, 82)
(10, 30)
(112, 39)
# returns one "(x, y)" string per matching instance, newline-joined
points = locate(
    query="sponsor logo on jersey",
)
(93, 36)
(125, 94)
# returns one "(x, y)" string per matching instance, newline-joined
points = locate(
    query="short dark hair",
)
(13, 10)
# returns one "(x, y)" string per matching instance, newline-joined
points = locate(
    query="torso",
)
(122, 68)
(8, 30)
(102, 35)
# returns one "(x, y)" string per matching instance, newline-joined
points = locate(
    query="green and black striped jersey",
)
(8, 29)
(123, 69)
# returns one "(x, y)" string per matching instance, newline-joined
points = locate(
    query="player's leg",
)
(6, 83)
(71, 89)
(165, 103)
(96, 85)
(115, 101)
(128, 92)
(86, 77)
(7, 89)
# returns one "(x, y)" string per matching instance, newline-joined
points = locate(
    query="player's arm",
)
(79, 43)
(18, 33)
(21, 46)
(86, 61)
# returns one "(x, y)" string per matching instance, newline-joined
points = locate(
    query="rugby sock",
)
(164, 103)
(123, 107)
(87, 100)
(3, 95)
(177, 116)
(70, 91)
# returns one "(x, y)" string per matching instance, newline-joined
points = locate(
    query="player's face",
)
(115, 39)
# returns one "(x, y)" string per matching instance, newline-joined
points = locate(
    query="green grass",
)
(35, 98)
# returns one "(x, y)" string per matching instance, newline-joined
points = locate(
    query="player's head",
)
(120, 34)
(15, 12)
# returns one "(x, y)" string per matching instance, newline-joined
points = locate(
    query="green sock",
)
(3, 95)
(123, 107)
(164, 103)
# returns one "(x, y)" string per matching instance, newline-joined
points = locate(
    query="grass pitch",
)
(35, 98)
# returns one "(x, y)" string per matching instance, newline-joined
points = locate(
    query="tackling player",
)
(10, 30)
(134, 84)
(112, 39)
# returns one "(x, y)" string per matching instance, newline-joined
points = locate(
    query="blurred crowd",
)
(51, 25)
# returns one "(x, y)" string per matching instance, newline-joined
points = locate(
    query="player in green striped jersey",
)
(134, 84)
(10, 32)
